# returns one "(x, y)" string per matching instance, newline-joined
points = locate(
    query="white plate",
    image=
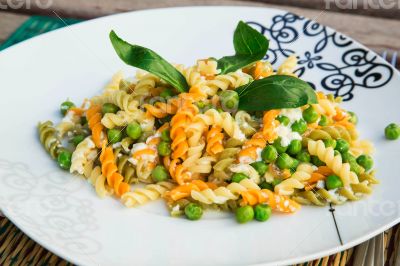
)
(61, 211)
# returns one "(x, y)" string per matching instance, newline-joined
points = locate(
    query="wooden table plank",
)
(377, 33)
(375, 8)
(386, 9)
(9, 23)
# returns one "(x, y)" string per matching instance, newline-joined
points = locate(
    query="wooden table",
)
(365, 25)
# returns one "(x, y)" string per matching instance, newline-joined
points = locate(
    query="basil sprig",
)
(250, 46)
(146, 59)
(275, 92)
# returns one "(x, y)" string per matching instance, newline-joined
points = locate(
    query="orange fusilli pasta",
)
(110, 170)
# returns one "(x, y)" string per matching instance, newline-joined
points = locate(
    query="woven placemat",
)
(18, 249)
(34, 26)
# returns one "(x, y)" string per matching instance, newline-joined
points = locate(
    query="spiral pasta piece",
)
(110, 170)
(194, 154)
(126, 169)
(182, 118)
(202, 165)
(120, 119)
(160, 109)
(93, 115)
(99, 182)
(262, 69)
(252, 148)
(191, 74)
(329, 132)
(123, 100)
(208, 67)
(141, 196)
(145, 85)
(214, 140)
(327, 155)
(247, 124)
(85, 152)
(184, 191)
(179, 172)
(295, 181)
(277, 202)
(269, 125)
(222, 194)
(68, 123)
(144, 169)
(227, 81)
(225, 159)
(288, 66)
(49, 139)
(114, 84)
(325, 106)
(223, 120)
(360, 147)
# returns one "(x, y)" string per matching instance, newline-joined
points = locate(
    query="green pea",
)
(64, 159)
(262, 212)
(392, 131)
(266, 185)
(269, 154)
(365, 161)
(323, 121)
(342, 146)
(159, 173)
(303, 156)
(278, 146)
(167, 93)
(284, 161)
(77, 139)
(229, 99)
(237, 177)
(65, 106)
(276, 181)
(330, 143)
(333, 181)
(299, 126)
(220, 110)
(109, 108)
(164, 148)
(165, 136)
(133, 130)
(284, 120)
(193, 211)
(260, 167)
(316, 161)
(294, 147)
(244, 214)
(114, 135)
(353, 118)
(336, 153)
(310, 115)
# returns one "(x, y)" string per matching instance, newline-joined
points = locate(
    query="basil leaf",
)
(275, 92)
(146, 59)
(250, 46)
